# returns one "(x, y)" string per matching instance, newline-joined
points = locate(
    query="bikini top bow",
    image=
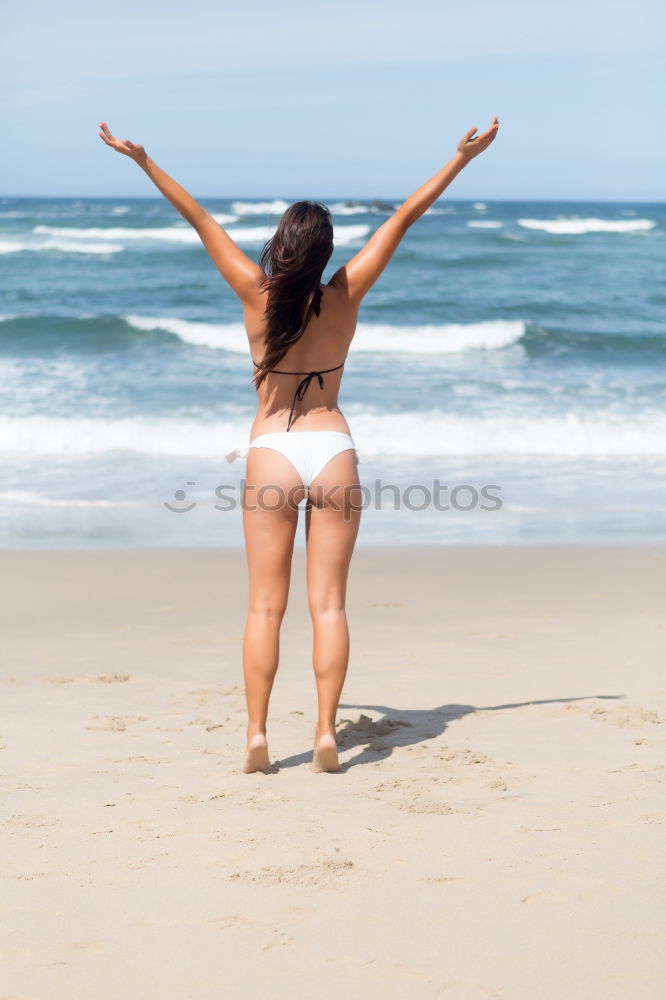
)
(303, 385)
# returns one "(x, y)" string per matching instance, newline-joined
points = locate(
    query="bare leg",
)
(273, 488)
(332, 521)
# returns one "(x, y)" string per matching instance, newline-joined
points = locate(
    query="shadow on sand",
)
(378, 738)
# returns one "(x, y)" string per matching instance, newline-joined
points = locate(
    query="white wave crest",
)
(251, 234)
(120, 210)
(260, 234)
(68, 246)
(98, 436)
(224, 218)
(432, 434)
(447, 338)
(484, 224)
(26, 497)
(168, 234)
(64, 246)
(347, 234)
(388, 436)
(576, 226)
(362, 208)
(13, 246)
(480, 206)
(275, 207)
(223, 336)
(171, 234)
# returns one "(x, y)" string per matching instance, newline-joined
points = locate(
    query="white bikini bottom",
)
(308, 451)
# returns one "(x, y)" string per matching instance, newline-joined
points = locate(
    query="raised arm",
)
(237, 269)
(360, 273)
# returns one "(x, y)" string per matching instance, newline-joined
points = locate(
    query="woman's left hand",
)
(471, 145)
(125, 146)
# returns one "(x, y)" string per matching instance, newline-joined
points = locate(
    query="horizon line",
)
(353, 198)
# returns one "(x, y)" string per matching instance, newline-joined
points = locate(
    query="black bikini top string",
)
(303, 385)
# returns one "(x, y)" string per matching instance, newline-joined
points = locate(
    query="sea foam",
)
(35, 499)
(435, 339)
(427, 434)
(64, 246)
(445, 338)
(171, 234)
(278, 206)
(275, 207)
(224, 218)
(221, 336)
(577, 227)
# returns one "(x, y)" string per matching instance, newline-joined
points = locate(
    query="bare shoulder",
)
(338, 285)
(342, 306)
(338, 293)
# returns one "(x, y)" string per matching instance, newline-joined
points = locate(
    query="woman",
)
(299, 333)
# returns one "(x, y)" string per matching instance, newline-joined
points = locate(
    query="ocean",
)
(506, 383)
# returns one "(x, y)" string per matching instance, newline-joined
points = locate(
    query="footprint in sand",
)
(204, 696)
(464, 756)
(88, 679)
(114, 723)
(483, 770)
(415, 795)
(33, 820)
(622, 715)
(626, 716)
(329, 871)
(210, 725)
(461, 785)
(278, 938)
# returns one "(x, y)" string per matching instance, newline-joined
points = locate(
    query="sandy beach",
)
(497, 829)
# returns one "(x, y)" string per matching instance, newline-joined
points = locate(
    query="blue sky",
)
(353, 98)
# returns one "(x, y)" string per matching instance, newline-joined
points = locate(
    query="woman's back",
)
(322, 348)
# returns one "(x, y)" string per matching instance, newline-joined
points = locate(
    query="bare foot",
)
(325, 756)
(256, 755)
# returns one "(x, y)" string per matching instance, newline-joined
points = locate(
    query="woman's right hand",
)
(469, 147)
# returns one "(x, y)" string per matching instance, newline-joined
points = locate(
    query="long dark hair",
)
(293, 261)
